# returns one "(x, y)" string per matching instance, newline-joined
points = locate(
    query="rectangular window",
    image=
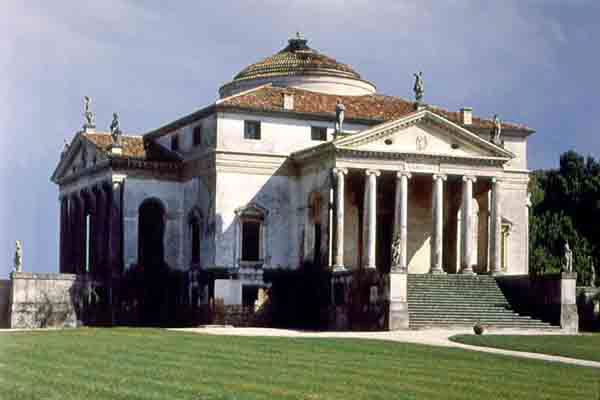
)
(250, 241)
(175, 142)
(252, 130)
(197, 135)
(318, 133)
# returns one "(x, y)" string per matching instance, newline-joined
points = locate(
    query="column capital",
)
(118, 178)
(495, 179)
(375, 172)
(400, 174)
(339, 171)
(443, 177)
(469, 178)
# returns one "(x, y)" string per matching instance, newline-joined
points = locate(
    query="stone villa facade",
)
(261, 179)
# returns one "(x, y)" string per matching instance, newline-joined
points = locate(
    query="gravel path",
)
(433, 337)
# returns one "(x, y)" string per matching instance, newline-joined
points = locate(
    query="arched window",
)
(251, 235)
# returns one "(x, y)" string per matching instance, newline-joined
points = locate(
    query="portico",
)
(399, 233)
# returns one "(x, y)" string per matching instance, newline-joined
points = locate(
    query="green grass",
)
(126, 363)
(585, 347)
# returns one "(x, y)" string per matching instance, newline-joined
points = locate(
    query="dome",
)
(300, 66)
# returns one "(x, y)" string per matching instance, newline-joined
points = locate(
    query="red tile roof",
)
(375, 107)
(133, 146)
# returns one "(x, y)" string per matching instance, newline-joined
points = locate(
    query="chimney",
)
(466, 115)
(288, 101)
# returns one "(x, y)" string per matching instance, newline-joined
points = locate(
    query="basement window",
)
(252, 130)
(251, 234)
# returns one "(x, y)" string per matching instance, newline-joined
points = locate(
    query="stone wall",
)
(42, 300)
(550, 297)
(588, 304)
(5, 286)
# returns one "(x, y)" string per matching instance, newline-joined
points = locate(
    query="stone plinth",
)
(230, 290)
(569, 318)
(398, 314)
(39, 300)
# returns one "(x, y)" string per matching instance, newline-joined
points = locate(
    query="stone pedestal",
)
(569, 318)
(229, 290)
(398, 314)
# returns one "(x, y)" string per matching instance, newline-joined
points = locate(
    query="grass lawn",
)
(126, 363)
(585, 347)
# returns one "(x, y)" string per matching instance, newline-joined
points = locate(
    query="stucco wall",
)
(278, 135)
(518, 146)
(170, 194)
(186, 139)
(513, 197)
(238, 189)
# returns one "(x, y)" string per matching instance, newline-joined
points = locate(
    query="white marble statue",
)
(396, 251)
(18, 256)
(568, 267)
(497, 130)
(593, 275)
(340, 110)
(115, 128)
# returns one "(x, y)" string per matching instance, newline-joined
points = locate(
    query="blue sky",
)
(532, 62)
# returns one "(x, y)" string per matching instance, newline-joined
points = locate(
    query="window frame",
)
(197, 135)
(256, 125)
(255, 214)
(175, 143)
(322, 130)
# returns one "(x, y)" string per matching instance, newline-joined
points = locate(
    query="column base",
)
(437, 272)
(495, 273)
(339, 268)
(370, 267)
(398, 270)
(467, 271)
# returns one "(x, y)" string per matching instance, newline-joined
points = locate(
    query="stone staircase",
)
(463, 300)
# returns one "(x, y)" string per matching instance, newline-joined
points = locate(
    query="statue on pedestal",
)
(419, 88)
(115, 129)
(18, 256)
(88, 114)
(340, 109)
(497, 131)
(568, 266)
(593, 275)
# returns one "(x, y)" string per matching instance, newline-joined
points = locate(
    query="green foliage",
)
(565, 206)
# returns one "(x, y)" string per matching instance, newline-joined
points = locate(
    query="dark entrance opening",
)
(154, 271)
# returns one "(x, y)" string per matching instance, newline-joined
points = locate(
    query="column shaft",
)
(495, 229)
(437, 240)
(115, 229)
(339, 218)
(467, 226)
(371, 213)
(400, 241)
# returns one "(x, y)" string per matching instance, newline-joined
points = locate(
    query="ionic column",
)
(64, 234)
(437, 236)
(466, 239)
(339, 173)
(371, 216)
(115, 228)
(495, 230)
(400, 223)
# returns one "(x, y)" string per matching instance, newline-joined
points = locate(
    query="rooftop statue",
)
(18, 256)
(497, 130)
(340, 109)
(568, 267)
(115, 129)
(88, 114)
(419, 88)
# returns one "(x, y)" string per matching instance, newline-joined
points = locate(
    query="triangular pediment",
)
(422, 132)
(80, 154)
